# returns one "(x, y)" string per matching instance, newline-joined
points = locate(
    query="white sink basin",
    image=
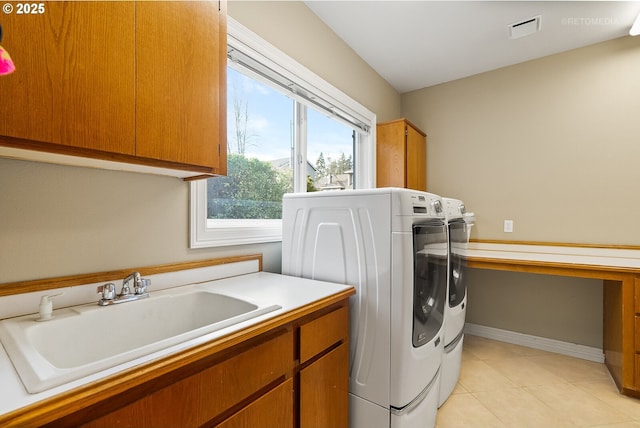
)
(86, 339)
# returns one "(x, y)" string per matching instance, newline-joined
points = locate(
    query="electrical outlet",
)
(508, 226)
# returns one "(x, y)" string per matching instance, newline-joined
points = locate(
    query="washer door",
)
(457, 262)
(430, 280)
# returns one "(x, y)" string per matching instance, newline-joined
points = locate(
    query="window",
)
(287, 131)
(259, 151)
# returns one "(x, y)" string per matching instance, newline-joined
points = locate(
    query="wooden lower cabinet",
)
(636, 328)
(325, 385)
(274, 409)
(613, 325)
(295, 375)
(210, 393)
(324, 376)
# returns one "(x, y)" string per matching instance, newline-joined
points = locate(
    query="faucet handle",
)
(108, 291)
(141, 286)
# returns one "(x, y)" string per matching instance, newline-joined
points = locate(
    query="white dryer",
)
(391, 244)
(459, 224)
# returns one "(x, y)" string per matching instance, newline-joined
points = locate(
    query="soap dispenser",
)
(46, 307)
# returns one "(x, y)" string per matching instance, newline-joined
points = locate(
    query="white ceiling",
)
(415, 44)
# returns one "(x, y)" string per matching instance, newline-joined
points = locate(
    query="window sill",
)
(207, 233)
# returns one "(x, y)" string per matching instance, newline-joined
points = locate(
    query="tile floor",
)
(505, 385)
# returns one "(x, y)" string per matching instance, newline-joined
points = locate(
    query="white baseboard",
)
(551, 345)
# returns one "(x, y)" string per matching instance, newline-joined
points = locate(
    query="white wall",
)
(555, 307)
(552, 144)
(59, 220)
(294, 29)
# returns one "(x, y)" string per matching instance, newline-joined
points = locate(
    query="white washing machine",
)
(391, 244)
(459, 224)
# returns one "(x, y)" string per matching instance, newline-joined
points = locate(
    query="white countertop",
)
(288, 292)
(587, 255)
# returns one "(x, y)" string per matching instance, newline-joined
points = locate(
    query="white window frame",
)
(218, 232)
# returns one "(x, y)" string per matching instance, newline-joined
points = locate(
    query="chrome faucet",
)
(108, 294)
(135, 276)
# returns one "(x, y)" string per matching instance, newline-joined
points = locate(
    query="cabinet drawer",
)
(197, 399)
(274, 409)
(237, 378)
(321, 333)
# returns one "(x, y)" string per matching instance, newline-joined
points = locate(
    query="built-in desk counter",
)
(618, 267)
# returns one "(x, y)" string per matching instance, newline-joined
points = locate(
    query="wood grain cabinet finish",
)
(74, 78)
(324, 377)
(324, 391)
(181, 83)
(274, 409)
(134, 82)
(401, 155)
(207, 395)
(322, 333)
(636, 329)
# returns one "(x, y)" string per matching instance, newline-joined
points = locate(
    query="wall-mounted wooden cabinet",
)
(74, 82)
(130, 82)
(401, 153)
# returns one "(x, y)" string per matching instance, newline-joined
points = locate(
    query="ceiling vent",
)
(525, 28)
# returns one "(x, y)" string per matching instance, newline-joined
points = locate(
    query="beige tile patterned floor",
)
(505, 385)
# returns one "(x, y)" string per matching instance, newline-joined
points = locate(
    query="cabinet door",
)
(416, 159)
(181, 82)
(197, 400)
(391, 155)
(401, 151)
(73, 84)
(273, 409)
(324, 391)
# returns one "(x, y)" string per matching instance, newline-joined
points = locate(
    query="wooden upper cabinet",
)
(137, 82)
(181, 82)
(74, 78)
(401, 153)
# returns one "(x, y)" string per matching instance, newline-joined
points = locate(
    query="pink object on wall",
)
(6, 64)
